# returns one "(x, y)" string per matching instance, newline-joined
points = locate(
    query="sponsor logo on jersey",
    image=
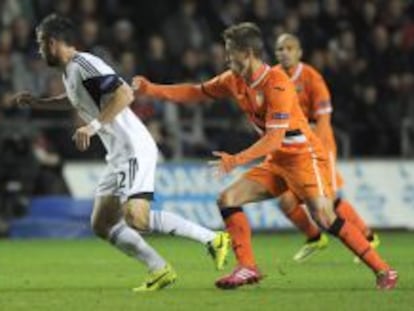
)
(280, 116)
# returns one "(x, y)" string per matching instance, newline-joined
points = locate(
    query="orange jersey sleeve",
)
(321, 108)
(319, 95)
(179, 93)
(268, 143)
(214, 88)
(219, 86)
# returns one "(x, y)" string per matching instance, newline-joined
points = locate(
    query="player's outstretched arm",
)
(177, 93)
(60, 102)
(267, 144)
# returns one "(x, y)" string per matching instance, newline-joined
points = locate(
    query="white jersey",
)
(89, 82)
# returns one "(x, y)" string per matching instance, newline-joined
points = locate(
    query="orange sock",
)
(300, 218)
(345, 210)
(239, 229)
(355, 241)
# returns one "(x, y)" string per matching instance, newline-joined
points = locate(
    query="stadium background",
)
(364, 49)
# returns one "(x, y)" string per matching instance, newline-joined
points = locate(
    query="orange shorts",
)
(306, 176)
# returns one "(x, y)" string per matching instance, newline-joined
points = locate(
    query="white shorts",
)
(132, 178)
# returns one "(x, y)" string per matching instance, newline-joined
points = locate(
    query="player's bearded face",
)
(237, 61)
(47, 50)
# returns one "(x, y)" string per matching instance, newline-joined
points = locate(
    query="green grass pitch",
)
(90, 275)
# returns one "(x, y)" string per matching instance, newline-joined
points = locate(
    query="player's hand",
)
(224, 165)
(23, 99)
(82, 137)
(139, 84)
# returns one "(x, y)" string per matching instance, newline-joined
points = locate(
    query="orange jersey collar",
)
(295, 72)
(259, 75)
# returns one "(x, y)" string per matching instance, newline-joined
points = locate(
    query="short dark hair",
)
(59, 28)
(245, 36)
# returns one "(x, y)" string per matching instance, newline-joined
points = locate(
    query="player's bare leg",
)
(297, 213)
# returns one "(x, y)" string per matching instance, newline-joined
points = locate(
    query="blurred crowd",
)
(364, 49)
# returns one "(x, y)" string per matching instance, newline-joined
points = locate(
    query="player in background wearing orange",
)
(294, 157)
(315, 101)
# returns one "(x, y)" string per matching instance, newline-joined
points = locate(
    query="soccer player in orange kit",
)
(315, 101)
(294, 158)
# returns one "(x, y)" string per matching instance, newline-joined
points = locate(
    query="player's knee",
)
(226, 199)
(287, 203)
(322, 221)
(137, 214)
(106, 213)
(323, 218)
(322, 212)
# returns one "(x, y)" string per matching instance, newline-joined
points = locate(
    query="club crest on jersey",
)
(299, 88)
(259, 98)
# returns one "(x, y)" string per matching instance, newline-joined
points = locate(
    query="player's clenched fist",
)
(139, 84)
(224, 165)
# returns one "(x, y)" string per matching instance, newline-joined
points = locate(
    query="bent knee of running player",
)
(321, 209)
(242, 192)
(288, 202)
(106, 213)
(137, 214)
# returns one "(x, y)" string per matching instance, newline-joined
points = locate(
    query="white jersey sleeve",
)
(89, 83)
(96, 76)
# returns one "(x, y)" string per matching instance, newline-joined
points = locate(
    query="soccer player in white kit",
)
(122, 200)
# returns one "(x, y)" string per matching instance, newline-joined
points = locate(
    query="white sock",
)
(169, 223)
(130, 242)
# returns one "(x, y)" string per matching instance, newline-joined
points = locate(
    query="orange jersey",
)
(269, 102)
(314, 98)
(295, 158)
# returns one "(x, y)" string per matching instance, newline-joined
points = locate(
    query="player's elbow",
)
(123, 96)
